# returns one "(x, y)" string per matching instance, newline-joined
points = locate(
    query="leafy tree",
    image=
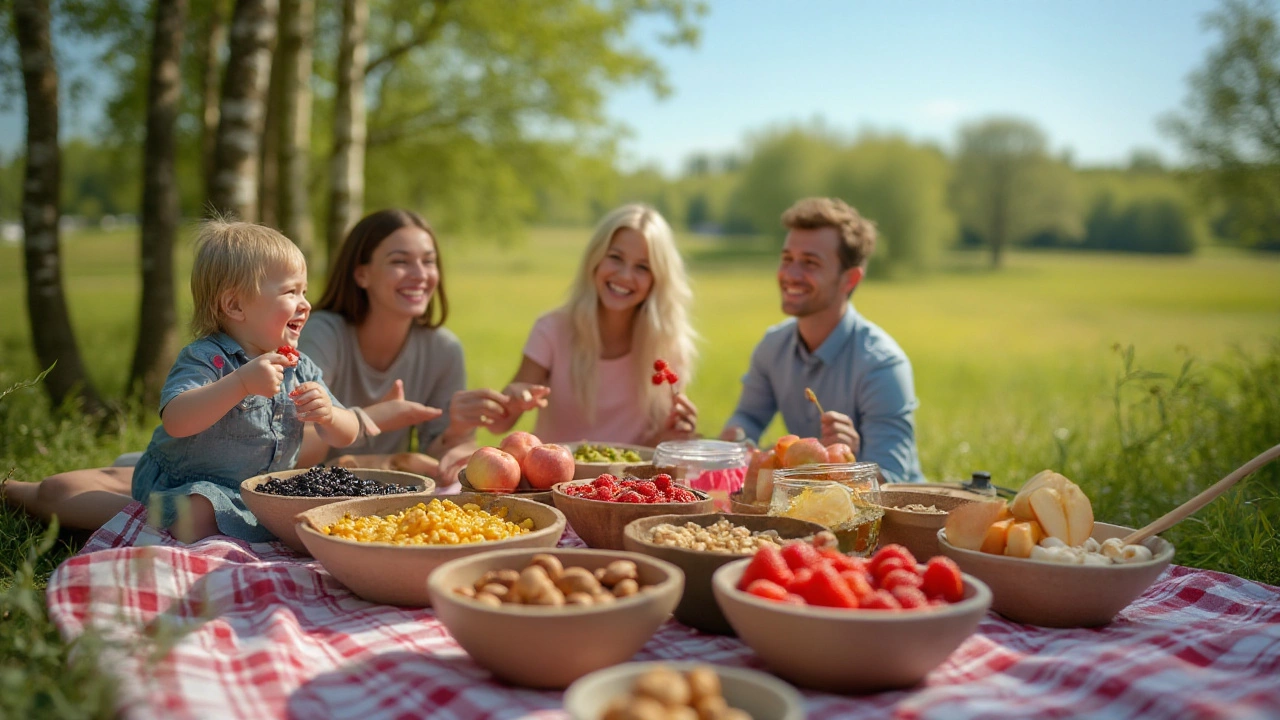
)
(1007, 188)
(785, 165)
(1231, 121)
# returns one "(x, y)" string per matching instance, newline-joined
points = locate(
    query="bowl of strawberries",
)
(831, 622)
(600, 509)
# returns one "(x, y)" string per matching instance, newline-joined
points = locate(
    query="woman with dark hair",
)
(378, 336)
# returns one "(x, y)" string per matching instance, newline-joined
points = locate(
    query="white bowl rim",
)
(555, 489)
(981, 598)
(303, 526)
(1164, 557)
(789, 695)
(674, 575)
(354, 471)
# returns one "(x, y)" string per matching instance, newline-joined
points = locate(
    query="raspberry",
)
(659, 365)
(601, 493)
(646, 489)
(605, 479)
(630, 496)
(658, 378)
(682, 495)
(662, 481)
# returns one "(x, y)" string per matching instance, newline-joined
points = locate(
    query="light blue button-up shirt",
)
(858, 371)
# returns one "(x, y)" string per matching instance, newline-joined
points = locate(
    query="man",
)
(858, 373)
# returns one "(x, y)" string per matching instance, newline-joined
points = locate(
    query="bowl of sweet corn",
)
(277, 511)
(384, 548)
(544, 618)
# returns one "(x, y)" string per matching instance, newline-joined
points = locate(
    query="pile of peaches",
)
(520, 462)
(790, 451)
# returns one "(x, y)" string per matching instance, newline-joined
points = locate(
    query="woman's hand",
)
(682, 420)
(314, 403)
(523, 397)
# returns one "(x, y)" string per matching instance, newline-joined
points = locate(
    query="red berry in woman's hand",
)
(658, 378)
(659, 364)
(672, 377)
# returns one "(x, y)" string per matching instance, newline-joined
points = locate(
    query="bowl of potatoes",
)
(544, 618)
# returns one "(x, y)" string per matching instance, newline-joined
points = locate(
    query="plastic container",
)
(716, 467)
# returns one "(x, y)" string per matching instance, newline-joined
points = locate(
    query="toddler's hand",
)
(314, 404)
(263, 374)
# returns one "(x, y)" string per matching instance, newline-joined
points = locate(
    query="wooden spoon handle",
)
(1186, 509)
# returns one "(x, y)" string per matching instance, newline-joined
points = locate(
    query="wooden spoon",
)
(1188, 508)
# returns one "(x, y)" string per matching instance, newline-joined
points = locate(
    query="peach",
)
(808, 451)
(967, 525)
(518, 444)
(493, 470)
(840, 453)
(784, 442)
(546, 465)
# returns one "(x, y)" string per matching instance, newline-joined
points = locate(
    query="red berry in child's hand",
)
(658, 378)
(659, 365)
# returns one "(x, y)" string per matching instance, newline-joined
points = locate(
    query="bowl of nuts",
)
(599, 510)
(384, 548)
(544, 618)
(682, 689)
(913, 516)
(277, 498)
(700, 544)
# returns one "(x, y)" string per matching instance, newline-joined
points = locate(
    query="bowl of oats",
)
(700, 544)
(913, 516)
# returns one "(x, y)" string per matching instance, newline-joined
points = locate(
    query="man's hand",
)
(838, 428)
(314, 404)
(733, 433)
(263, 374)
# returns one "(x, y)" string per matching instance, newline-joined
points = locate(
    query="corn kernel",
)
(440, 522)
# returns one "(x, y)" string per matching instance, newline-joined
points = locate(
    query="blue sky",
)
(1094, 74)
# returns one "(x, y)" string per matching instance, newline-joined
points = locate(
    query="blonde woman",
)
(588, 365)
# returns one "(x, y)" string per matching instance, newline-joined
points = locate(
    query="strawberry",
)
(859, 583)
(840, 561)
(881, 600)
(890, 551)
(827, 589)
(793, 599)
(900, 578)
(881, 571)
(800, 581)
(909, 597)
(942, 579)
(800, 555)
(768, 590)
(766, 564)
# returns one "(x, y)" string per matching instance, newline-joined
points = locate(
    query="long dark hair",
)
(343, 296)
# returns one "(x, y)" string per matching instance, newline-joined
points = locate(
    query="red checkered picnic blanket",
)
(225, 629)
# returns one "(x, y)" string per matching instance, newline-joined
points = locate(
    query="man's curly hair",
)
(857, 234)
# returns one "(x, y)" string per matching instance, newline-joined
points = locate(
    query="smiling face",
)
(402, 273)
(623, 278)
(273, 317)
(809, 273)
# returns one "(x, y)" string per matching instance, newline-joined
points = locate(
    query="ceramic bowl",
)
(739, 507)
(601, 524)
(523, 492)
(848, 651)
(277, 512)
(1062, 596)
(698, 607)
(550, 647)
(762, 696)
(916, 531)
(594, 470)
(397, 574)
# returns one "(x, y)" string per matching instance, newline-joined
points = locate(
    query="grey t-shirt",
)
(430, 364)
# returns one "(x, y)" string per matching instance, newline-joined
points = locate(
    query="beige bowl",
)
(1064, 596)
(397, 574)
(848, 651)
(763, 696)
(591, 470)
(739, 507)
(523, 492)
(698, 607)
(601, 524)
(916, 531)
(277, 513)
(550, 647)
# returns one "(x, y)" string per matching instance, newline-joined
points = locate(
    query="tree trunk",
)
(215, 37)
(346, 167)
(244, 87)
(46, 304)
(269, 160)
(157, 344)
(297, 27)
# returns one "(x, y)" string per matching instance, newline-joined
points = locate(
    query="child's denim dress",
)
(259, 435)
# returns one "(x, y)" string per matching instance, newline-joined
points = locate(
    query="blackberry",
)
(321, 481)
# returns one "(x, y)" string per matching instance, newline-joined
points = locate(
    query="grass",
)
(1030, 367)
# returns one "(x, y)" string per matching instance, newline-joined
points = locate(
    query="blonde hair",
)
(234, 257)
(857, 234)
(662, 328)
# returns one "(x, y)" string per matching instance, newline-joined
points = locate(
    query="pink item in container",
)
(716, 467)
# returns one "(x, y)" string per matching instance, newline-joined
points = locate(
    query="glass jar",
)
(844, 498)
(716, 467)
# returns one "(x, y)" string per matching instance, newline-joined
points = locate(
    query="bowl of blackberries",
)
(277, 498)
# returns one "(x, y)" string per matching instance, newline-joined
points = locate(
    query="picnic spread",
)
(227, 628)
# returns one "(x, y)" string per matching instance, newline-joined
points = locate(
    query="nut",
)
(664, 685)
(619, 570)
(487, 599)
(550, 563)
(579, 599)
(704, 683)
(626, 588)
(578, 580)
(499, 591)
(465, 591)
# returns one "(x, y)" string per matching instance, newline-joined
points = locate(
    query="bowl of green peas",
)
(592, 459)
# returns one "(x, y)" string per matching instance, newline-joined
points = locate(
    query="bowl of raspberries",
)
(600, 509)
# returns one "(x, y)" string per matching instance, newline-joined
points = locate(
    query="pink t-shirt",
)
(619, 417)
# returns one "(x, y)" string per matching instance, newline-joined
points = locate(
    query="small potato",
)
(550, 563)
(626, 588)
(664, 685)
(578, 580)
(487, 599)
(499, 591)
(579, 599)
(465, 591)
(704, 683)
(619, 570)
